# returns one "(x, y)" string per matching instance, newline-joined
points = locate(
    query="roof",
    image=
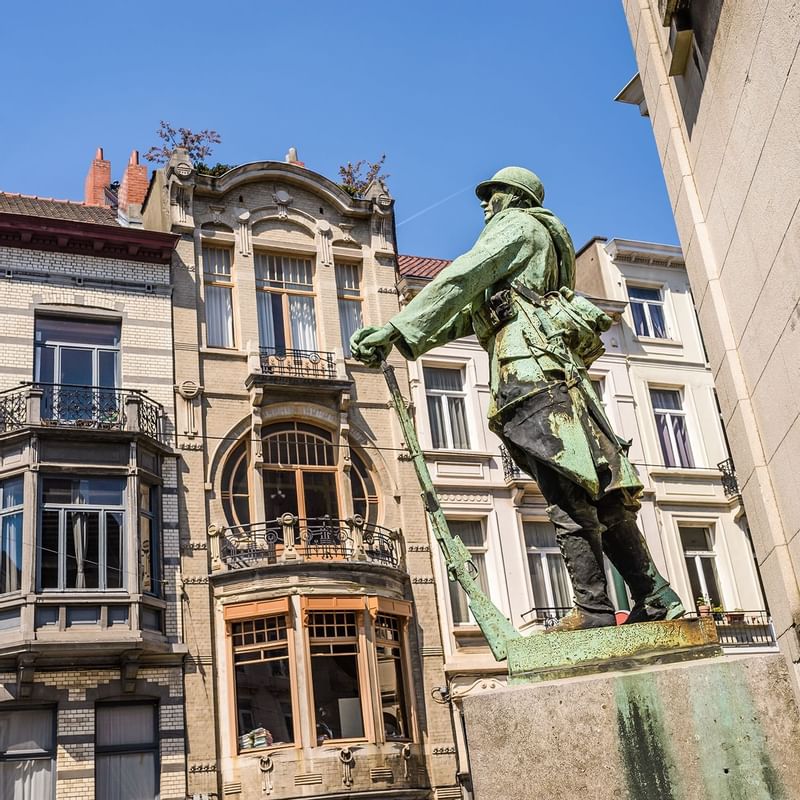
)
(420, 266)
(32, 206)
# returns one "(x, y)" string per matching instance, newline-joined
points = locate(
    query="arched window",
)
(365, 498)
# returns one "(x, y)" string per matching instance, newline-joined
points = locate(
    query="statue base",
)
(702, 728)
(560, 655)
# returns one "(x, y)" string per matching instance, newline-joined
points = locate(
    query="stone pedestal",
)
(714, 728)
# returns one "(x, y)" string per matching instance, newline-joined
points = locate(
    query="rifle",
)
(460, 568)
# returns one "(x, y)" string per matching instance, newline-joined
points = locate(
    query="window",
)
(647, 307)
(263, 682)
(335, 674)
(149, 539)
(81, 539)
(671, 427)
(11, 534)
(700, 558)
(446, 408)
(286, 316)
(549, 579)
(27, 754)
(77, 365)
(218, 296)
(474, 537)
(388, 645)
(126, 751)
(348, 290)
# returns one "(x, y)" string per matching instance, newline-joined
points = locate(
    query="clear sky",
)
(450, 91)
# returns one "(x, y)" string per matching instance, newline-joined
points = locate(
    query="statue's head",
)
(511, 187)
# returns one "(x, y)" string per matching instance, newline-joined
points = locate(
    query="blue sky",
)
(450, 91)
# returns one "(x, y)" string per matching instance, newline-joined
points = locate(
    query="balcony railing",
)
(64, 405)
(730, 484)
(744, 629)
(511, 472)
(282, 362)
(291, 538)
(547, 616)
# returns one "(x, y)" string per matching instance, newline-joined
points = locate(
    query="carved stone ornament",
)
(244, 233)
(283, 200)
(188, 389)
(325, 240)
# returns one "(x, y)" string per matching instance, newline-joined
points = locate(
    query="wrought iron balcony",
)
(282, 363)
(293, 539)
(730, 483)
(62, 405)
(511, 472)
(547, 616)
(744, 629)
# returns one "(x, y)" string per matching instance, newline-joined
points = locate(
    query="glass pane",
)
(49, 550)
(694, 578)
(682, 441)
(217, 262)
(320, 493)
(657, 318)
(280, 493)
(438, 378)
(349, 322)
(125, 776)
(694, 539)
(640, 320)
(662, 422)
(26, 731)
(77, 331)
(264, 704)
(347, 279)
(666, 399)
(270, 319)
(470, 531)
(436, 419)
(99, 491)
(303, 322)
(45, 364)
(393, 701)
(219, 316)
(28, 779)
(458, 604)
(458, 422)
(337, 701)
(11, 552)
(107, 360)
(76, 366)
(559, 580)
(709, 567)
(539, 534)
(536, 570)
(11, 492)
(125, 724)
(114, 550)
(83, 549)
(641, 293)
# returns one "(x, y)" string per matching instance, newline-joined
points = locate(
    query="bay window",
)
(11, 534)
(348, 292)
(389, 649)
(149, 539)
(218, 288)
(81, 537)
(446, 399)
(671, 426)
(27, 754)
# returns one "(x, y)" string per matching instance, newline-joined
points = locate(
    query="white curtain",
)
(266, 319)
(125, 776)
(349, 321)
(27, 731)
(29, 779)
(79, 528)
(304, 323)
(219, 316)
(10, 552)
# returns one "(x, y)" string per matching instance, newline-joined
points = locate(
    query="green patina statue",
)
(515, 290)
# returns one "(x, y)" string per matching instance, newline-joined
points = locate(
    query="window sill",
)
(657, 340)
(459, 455)
(684, 472)
(232, 352)
(270, 748)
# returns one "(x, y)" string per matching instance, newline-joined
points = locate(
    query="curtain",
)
(436, 419)
(27, 731)
(303, 322)
(682, 441)
(458, 422)
(132, 775)
(666, 445)
(266, 318)
(219, 316)
(349, 322)
(27, 779)
(562, 591)
(79, 528)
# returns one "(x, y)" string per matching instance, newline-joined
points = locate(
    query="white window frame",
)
(672, 412)
(219, 280)
(482, 550)
(698, 555)
(661, 302)
(444, 394)
(542, 552)
(348, 295)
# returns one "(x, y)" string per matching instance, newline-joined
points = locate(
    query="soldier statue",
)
(515, 291)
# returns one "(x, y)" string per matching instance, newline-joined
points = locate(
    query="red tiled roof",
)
(420, 267)
(32, 206)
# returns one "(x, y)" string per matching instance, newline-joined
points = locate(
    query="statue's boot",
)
(583, 555)
(653, 598)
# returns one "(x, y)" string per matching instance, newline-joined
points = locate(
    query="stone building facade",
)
(91, 676)
(720, 83)
(659, 392)
(308, 596)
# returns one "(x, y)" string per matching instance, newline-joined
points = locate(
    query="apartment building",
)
(91, 677)
(659, 392)
(719, 83)
(308, 596)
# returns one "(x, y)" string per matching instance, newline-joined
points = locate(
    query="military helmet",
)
(518, 178)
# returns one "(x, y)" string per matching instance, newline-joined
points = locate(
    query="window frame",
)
(25, 709)
(122, 749)
(9, 512)
(669, 413)
(698, 556)
(402, 659)
(102, 564)
(661, 303)
(445, 394)
(543, 553)
(218, 280)
(483, 550)
(343, 297)
(156, 553)
(285, 293)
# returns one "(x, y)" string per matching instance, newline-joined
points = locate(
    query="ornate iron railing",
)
(13, 409)
(151, 418)
(78, 406)
(511, 472)
(547, 616)
(730, 483)
(304, 364)
(292, 538)
(744, 629)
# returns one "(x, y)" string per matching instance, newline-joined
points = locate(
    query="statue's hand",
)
(371, 345)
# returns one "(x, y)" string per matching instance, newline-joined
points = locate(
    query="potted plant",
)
(703, 604)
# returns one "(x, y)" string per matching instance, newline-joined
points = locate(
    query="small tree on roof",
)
(199, 145)
(355, 178)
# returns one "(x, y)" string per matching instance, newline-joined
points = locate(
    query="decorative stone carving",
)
(189, 392)
(245, 245)
(347, 231)
(180, 188)
(325, 234)
(283, 200)
(347, 760)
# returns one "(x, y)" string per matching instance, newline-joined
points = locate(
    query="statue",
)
(515, 290)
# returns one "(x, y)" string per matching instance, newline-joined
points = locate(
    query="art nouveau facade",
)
(308, 596)
(659, 392)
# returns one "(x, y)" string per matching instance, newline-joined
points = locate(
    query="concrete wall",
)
(726, 134)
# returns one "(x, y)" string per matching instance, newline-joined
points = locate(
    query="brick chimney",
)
(133, 186)
(98, 179)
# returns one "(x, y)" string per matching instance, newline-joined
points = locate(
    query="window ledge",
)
(231, 352)
(459, 455)
(684, 472)
(659, 341)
